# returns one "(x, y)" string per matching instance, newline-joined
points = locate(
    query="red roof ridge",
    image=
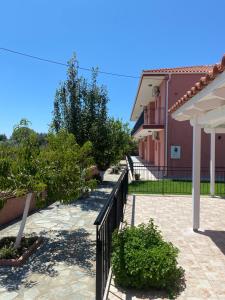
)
(199, 68)
(203, 82)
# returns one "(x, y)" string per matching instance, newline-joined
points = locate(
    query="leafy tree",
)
(42, 139)
(22, 131)
(20, 165)
(65, 167)
(116, 142)
(133, 147)
(3, 137)
(81, 108)
(59, 165)
(67, 112)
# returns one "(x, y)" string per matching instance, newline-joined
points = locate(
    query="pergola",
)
(204, 106)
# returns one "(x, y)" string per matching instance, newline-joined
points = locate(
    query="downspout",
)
(166, 112)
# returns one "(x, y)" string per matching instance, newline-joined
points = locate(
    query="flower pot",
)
(137, 176)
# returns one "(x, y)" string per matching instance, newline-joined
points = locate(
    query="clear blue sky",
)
(117, 36)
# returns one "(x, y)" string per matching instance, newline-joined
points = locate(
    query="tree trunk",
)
(24, 219)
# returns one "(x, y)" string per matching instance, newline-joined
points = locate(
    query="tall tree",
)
(81, 108)
(57, 120)
(3, 137)
(72, 86)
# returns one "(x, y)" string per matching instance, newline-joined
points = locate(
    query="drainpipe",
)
(166, 115)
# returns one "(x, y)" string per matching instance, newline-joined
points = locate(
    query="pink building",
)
(164, 141)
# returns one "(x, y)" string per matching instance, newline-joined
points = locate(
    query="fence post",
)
(98, 265)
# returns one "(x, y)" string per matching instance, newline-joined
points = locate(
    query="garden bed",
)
(9, 256)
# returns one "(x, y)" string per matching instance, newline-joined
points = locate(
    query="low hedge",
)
(142, 259)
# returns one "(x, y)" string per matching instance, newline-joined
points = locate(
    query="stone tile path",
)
(202, 254)
(146, 171)
(64, 265)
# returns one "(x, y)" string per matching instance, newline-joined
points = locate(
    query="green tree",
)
(22, 131)
(80, 107)
(65, 167)
(58, 165)
(3, 137)
(20, 163)
(67, 112)
(117, 141)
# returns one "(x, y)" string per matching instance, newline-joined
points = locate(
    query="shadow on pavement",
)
(69, 247)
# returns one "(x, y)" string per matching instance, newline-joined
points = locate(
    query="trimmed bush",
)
(142, 259)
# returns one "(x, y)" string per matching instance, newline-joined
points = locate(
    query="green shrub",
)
(7, 252)
(7, 249)
(142, 259)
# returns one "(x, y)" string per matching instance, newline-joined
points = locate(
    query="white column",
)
(212, 162)
(196, 168)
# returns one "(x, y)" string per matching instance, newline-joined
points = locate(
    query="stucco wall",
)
(180, 133)
(13, 209)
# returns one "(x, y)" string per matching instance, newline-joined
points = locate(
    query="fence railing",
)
(130, 164)
(173, 180)
(107, 221)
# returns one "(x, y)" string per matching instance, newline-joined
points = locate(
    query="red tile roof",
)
(189, 69)
(203, 82)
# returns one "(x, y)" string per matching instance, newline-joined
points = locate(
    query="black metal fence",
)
(107, 221)
(130, 164)
(169, 180)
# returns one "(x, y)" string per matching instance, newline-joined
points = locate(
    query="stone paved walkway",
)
(202, 254)
(64, 265)
(146, 171)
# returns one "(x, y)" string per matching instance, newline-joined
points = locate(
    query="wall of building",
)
(152, 151)
(180, 133)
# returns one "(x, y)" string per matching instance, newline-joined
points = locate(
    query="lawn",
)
(169, 186)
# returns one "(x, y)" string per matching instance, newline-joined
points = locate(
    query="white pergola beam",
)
(220, 93)
(214, 117)
(217, 130)
(204, 95)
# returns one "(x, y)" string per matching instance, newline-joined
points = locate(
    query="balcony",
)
(147, 122)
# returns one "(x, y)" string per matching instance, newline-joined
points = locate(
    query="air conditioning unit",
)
(155, 91)
(155, 135)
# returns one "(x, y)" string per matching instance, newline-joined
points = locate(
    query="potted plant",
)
(137, 176)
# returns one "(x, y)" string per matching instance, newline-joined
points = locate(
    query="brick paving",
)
(64, 265)
(202, 254)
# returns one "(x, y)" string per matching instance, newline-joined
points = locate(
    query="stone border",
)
(21, 260)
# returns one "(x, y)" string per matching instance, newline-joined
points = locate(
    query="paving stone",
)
(64, 265)
(8, 295)
(202, 254)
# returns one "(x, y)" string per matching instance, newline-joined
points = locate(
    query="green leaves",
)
(80, 107)
(142, 259)
(64, 167)
(59, 165)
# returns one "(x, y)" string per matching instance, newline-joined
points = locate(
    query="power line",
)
(65, 64)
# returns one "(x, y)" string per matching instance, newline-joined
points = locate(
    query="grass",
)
(169, 186)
